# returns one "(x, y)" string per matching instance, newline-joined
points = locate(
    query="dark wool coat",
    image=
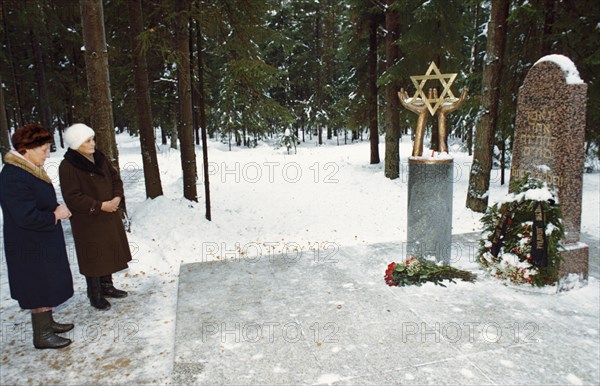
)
(38, 268)
(100, 239)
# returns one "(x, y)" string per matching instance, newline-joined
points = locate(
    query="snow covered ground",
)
(264, 202)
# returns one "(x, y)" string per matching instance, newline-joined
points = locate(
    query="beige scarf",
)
(16, 159)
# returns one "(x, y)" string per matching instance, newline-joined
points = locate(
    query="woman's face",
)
(38, 155)
(88, 147)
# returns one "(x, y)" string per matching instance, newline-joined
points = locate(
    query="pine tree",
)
(184, 91)
(201, 101)
(38, 33)
(144, 108)
(479, 178)
(4, 134)
(471, 108)
(392, 132)
(363, 50)
(96, 64)
(372, 105)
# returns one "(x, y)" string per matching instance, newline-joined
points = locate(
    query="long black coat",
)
(100, 239)
(38, 268)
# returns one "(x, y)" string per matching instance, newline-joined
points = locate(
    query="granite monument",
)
(549, 145)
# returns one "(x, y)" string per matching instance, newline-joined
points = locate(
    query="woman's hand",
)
(61, 212)
(112, 205)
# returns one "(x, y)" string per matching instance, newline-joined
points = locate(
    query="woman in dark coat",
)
(39, 275)
(93, 191)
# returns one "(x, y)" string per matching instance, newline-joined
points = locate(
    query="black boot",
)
(108, 288)
(43, 336)
(59, 328)
(94, 292)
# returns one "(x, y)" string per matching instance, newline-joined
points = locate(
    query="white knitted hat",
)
(77, 134)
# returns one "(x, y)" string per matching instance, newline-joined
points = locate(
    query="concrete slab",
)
(330, 319)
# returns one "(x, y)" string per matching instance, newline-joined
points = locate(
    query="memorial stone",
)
(549, 145)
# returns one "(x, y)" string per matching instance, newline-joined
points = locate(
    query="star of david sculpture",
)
(431, 103)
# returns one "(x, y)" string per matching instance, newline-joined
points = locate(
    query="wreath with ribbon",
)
(522, 234)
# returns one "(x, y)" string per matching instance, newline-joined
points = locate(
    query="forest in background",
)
(322, 69)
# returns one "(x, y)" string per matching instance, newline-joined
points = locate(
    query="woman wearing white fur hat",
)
(93, 191)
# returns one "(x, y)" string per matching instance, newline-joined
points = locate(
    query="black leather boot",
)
(59, 328)
(94, 292)
(43, 336)
(109, 290)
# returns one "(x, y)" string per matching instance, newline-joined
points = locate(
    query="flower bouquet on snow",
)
(416, 272)
(522, 233)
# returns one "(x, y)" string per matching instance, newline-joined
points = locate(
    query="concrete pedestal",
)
(430, 185)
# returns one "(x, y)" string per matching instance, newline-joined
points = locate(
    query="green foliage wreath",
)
(513, 241)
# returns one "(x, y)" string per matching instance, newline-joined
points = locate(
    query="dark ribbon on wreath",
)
(539, 244)
(500, 230)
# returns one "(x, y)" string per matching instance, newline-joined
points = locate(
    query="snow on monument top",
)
(567, 65)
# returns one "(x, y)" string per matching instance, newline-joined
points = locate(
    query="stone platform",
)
(330, 319)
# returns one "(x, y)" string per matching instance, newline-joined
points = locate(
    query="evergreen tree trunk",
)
(75, 104)
(174, 132)
(195, 123)
(328, 58)
(96, 66)
(472, 67)
(392, 132)
(372, 94)
(40, 76)
(202, 117)
(470, 139)
(163, 136)
(201, 91)
(479, 179)
(319, 90)
(184, 87)
(502, 157)
(143, 106)
(19, 119)
(61, 129)
(4, 134)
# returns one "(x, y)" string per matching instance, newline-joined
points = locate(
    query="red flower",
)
(407, 262)
(388, 275)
